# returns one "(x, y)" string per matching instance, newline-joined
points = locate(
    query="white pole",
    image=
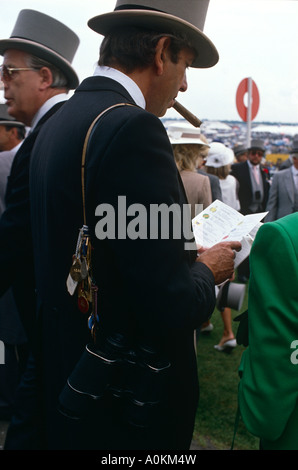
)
(249, 111)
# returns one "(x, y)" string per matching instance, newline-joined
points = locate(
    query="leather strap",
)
(85, 150)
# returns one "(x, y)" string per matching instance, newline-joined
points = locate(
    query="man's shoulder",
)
(239, 169)
(212, 178)
(281, 175)
(239, 166)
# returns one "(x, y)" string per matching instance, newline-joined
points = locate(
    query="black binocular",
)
(138, 377)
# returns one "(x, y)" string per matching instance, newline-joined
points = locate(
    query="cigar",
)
(187, 114)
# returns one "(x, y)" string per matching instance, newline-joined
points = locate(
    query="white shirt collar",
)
(46, 107)
(130, 86)
(294, 170)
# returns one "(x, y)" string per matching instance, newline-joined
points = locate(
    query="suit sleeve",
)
(154, 267)
(268, 388)
(15, 224)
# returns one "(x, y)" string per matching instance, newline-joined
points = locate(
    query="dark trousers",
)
(25, 431)
(15, 357)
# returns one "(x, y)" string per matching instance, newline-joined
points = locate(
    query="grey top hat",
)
(166, 16)
(294, 148)
(238, 149)
(6, 119)
(43, 36)
(257, 144)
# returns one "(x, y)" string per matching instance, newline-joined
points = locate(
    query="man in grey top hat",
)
(37, 74)
(12, 333)
(283, 193)
(153, 291)
(253, 179)
(240, 152)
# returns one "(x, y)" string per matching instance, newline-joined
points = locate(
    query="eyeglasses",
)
(257, 152)
(7, 73)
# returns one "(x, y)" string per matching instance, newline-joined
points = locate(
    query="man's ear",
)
(46, 77)
(13, 131)
(162, 54)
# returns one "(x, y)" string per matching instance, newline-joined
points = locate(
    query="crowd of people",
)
(104, 356)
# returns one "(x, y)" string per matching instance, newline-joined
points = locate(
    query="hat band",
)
(128, 6)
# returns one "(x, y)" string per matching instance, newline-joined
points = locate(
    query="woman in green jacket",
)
(268, 389)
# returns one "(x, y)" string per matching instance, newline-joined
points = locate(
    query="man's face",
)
(21, 90)
(255, 156)
(295, 160)
(242, 157)
(170, 82)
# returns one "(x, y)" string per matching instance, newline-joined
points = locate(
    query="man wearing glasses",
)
(253, 179)
(37, 74)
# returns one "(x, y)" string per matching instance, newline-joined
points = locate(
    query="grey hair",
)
(59, 79)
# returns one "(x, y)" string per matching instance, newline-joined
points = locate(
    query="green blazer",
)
(268, 389)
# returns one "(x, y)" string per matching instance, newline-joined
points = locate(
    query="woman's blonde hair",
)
(186, 156)
(222, 172)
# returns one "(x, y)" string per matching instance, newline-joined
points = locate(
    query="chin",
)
(162, 113)
(11, 111)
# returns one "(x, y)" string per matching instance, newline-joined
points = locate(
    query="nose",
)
(184, 84)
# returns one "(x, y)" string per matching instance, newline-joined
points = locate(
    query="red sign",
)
(255, 99)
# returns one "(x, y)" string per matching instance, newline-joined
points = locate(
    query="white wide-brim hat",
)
(219, 155)
(180, 134)
(166, 16)
(45, 37)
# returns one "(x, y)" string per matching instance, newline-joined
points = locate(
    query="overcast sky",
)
(254, 38)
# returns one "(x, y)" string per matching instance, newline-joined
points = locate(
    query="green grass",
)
(218, 377)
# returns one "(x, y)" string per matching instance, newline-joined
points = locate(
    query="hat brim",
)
(207, 55)
(188, 141)
(256, 147)
(44, 53)
(11, 123)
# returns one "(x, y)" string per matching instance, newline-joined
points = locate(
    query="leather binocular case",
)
(137, 379)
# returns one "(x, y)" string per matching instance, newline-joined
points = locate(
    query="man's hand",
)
(220, 260)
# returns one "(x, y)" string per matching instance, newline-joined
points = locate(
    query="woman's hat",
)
(183, 134)
(7, 120)
(219, 155)
(167, 16)
(46, 38)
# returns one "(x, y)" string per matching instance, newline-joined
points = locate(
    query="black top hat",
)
(7, 120)
(166, 16)
(257, 144)
(43, 36)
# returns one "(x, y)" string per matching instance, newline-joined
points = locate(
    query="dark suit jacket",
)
(148, 289)
(241, 173)
(11, 330)
(215, 185)
(16, 254)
